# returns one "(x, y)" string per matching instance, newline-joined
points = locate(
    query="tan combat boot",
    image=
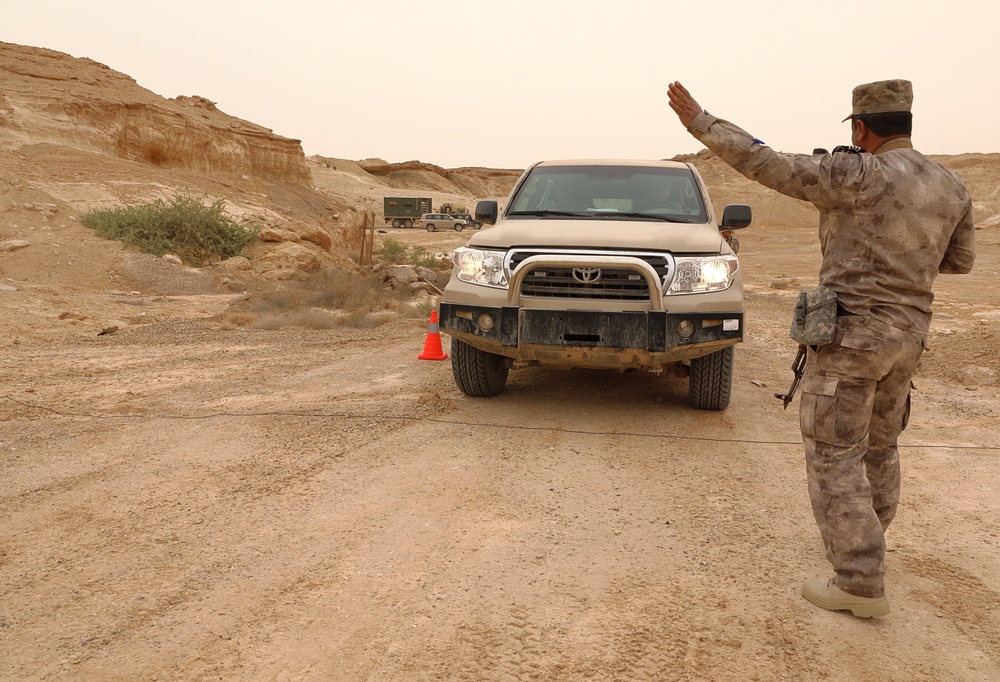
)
(825, 594)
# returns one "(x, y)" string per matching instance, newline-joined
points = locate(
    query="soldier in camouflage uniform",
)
(890, 221)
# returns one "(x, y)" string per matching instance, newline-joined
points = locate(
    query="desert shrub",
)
(394, 251)
(362, 319)
(348, 291)
(420, 258)
(185, 226)
(353, 236)
(331, 298)
(238, 319)
(421, 311)
(305, 318)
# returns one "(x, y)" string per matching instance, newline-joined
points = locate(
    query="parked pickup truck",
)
(604, 264)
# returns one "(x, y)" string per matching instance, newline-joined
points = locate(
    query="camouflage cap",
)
(882, 97)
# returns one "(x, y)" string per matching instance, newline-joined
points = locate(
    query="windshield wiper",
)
(577, 214)
(647, 216)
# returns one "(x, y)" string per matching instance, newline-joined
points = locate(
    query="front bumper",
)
(591, 338)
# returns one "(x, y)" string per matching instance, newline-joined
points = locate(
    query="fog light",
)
(685, 329)
(485, 322)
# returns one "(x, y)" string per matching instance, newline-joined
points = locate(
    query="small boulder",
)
(277, 234)
(400, 277)
(785, 282)
(289, 261)
(235, 263)
(312, 234)
(13, 245)
(426, 274)
(973, 378)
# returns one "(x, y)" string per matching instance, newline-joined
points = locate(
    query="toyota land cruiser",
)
(604, 264)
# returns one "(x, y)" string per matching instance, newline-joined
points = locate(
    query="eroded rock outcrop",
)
(476, 182)
(78, 103)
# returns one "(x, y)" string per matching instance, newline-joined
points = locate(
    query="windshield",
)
(643, 192)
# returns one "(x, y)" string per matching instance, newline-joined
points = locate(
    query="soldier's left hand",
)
(683, 104)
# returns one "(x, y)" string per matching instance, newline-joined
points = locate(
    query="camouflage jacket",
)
(889, 221)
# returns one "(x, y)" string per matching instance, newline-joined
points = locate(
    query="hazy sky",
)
(504, 83)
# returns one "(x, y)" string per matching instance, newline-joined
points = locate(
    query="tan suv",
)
(469, 220)
(600, 264)
(441, 221)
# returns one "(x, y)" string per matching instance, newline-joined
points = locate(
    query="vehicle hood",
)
(601, 234)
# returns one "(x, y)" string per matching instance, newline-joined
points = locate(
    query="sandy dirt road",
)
(181, 501)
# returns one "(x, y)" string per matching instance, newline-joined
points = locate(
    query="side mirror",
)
(736, 217)
(486, 211)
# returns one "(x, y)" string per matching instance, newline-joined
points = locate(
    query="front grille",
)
(610, 284)
(614, 285)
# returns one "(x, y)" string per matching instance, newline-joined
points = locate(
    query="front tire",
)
(478, 373)
(458, 227)
(710, 383)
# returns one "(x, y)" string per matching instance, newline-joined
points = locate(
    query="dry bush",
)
(349, 291)
(329, 299)
(307, 318)
(238, 319)
(354, 235)
(394, 251)
(362, 319)
(286, 299)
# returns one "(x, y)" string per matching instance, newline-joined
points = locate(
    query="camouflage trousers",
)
(855, 400)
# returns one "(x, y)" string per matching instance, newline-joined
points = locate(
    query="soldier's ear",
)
(859, 131)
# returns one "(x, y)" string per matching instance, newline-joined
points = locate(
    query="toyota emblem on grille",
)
(586, 275)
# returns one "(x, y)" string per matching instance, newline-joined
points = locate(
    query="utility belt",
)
(814, 319)
(844, 312)
(814, 322)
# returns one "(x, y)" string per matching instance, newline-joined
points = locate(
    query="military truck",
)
(405, 211)
(607, 264)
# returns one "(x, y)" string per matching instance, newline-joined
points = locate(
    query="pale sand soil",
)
(184, 501)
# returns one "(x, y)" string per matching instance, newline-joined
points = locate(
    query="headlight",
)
(480, 267)
(695, 275)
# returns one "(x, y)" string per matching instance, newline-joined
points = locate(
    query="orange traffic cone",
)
(432, 345)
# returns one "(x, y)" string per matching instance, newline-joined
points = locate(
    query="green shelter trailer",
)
(405, 211)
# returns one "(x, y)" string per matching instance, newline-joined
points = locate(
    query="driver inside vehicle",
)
(664, 198)
(559, 197)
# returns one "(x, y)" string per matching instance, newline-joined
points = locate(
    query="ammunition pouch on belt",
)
(815, 317)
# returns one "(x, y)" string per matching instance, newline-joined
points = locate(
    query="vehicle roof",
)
(613, 162)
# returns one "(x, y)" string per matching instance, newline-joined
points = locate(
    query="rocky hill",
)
(78, 135)
(51, 98)
(362, 184)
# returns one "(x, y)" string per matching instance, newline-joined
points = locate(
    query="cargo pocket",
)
(860, 341)
(862, 333)
(818, 408)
